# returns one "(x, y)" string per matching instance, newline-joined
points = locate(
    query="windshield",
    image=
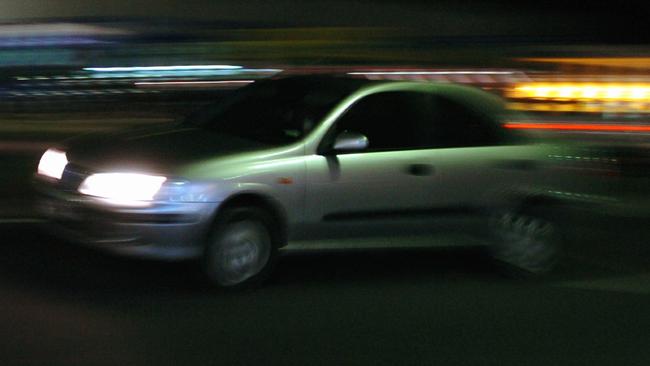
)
(274, 112)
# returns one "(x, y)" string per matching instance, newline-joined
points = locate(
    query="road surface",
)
(65, 305)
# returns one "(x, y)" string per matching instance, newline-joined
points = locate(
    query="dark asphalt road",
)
(65, 305)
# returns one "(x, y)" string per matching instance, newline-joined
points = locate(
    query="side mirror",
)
(350, 141)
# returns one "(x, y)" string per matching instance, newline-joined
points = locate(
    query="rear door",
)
(477, 167)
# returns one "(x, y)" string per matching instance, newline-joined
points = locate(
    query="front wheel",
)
(240, 251)
(526, 242)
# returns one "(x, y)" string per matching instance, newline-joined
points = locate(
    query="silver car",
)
(305, 163)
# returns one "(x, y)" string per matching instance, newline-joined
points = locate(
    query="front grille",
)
(72, 177)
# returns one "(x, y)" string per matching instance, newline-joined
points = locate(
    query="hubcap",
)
(526, 242)
(240, 252)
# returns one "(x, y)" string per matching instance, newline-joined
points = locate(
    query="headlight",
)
(122, 188)
(52, 164)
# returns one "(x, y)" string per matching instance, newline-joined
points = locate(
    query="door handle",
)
(420, 170)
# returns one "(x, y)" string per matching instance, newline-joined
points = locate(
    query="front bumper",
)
(163, 230)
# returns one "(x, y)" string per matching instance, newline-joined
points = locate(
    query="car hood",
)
(159, 149)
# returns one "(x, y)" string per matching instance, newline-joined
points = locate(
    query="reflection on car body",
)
(307, 162)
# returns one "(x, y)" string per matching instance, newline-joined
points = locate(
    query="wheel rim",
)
(526, 242)
(240, 251)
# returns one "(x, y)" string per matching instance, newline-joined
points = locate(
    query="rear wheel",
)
(526, 242)
(240, 251)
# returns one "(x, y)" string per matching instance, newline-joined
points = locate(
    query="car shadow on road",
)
(31, 257)
(34, 259)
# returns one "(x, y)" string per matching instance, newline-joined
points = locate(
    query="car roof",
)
(469, 96)
(490, 106)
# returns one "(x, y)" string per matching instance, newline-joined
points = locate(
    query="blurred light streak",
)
(431, 73)
(615, 62)
(581, 91)
(196, 84)
(69, 93)
(58, 29)
(577, 127)
(173, 72)
(162, 68)
(615, 107)
(24, 146)
(48, 41)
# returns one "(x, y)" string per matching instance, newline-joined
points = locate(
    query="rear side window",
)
(456, 125)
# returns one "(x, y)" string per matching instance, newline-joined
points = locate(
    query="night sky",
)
(620, 22)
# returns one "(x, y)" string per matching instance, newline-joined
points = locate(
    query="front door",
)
(384, 194)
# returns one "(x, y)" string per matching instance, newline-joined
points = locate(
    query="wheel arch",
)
(551, 207)
(277, 213)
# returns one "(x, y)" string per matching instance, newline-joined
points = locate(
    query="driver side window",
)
(390, 120)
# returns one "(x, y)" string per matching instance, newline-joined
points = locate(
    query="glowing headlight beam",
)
(122, 188)
(52, 163)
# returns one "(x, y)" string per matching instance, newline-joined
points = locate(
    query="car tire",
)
(526, 243)
(240, 252)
